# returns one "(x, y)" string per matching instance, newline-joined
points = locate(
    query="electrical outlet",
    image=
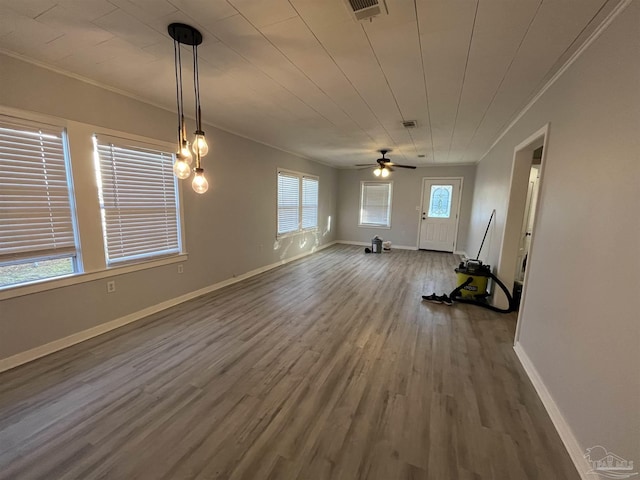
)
(180, 268)
(111, 286)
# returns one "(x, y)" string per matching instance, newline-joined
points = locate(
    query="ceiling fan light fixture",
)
(377, 172)
(385, 172)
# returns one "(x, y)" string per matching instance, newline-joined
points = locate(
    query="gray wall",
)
(230, 230)
(407, 191)
(579, 325)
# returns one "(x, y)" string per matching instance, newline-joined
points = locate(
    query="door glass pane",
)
(440, 201)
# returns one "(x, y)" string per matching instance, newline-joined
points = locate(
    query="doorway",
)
(527, 226)
(517, 252)
(440, 213)
(529, 215)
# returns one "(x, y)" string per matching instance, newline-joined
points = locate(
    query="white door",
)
(527, 222)
(439, 216)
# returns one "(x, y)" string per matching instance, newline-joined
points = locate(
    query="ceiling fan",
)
(384, 165)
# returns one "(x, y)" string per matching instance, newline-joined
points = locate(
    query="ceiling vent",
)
(366, 9)
(409, 124)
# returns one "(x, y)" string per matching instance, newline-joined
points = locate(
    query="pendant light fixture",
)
(186, 35)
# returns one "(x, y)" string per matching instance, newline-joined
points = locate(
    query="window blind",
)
(138, 200)
(288, 202)
(36, 217)
(375, 204)
(309, 202)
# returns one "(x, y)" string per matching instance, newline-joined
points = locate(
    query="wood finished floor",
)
(327, 368)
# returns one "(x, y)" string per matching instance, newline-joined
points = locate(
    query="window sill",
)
(382, 227)
(280, 236)
(74, 279)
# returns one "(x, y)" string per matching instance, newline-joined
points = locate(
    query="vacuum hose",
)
(455, 295)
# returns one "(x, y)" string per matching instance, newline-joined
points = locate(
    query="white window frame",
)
(91, 262)
(73, 253)
(300, 176)
(101, 140)
(363, 184)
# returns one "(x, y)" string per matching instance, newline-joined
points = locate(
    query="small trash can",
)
(376, 245)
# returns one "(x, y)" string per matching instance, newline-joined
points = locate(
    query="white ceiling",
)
(306, 77)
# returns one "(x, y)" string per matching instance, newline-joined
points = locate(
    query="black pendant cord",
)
(183, 133)
(196, 88)
(178, 68)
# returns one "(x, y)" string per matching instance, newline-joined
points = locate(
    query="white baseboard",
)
(368, 244)
(46, 349)
(462, 253)
(403, 247)
(564, 430)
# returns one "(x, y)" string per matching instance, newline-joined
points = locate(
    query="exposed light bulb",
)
(385, 173)
(200, 184)
(377, 172)
(181, 168)
(185, 152)
(200, 144)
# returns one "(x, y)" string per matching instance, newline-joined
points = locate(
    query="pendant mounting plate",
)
(184, 34)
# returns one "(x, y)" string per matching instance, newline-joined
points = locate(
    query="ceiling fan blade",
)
(389, 168)
(366, 165)
(404, 166)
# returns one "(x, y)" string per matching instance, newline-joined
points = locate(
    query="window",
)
(375, 204)
(37, 224)
(309, 202)
(440, 201)
(138, 200)
(40, 226)
(297, 202)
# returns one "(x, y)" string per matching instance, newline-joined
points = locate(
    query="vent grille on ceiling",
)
(409, 124)
(365, 9)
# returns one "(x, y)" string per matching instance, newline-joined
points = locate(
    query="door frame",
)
(521, 165)
(455, 234)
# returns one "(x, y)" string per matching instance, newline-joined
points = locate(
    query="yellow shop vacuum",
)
(473, 277)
